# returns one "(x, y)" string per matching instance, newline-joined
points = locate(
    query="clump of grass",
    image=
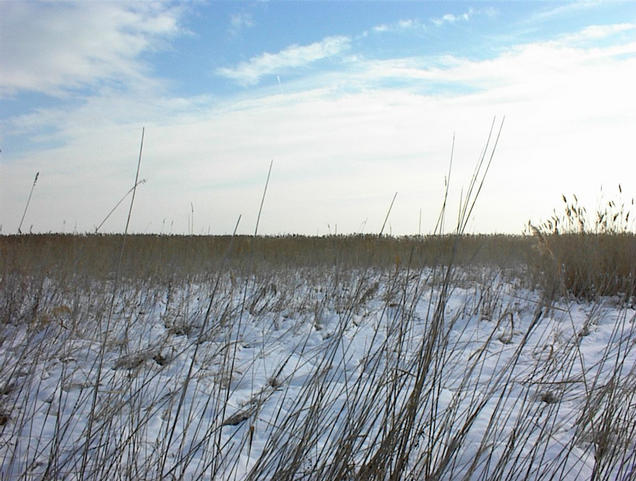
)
(585, 255)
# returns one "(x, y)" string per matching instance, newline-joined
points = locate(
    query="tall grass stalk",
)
(26, 207)
(104, 341)
(110, 212)
(260, 207)
(388, 212)
(439, 226)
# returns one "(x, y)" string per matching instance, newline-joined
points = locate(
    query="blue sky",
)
(353, 101)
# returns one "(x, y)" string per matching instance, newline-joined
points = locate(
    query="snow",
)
(302, 370)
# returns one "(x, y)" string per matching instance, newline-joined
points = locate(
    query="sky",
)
(351, 102)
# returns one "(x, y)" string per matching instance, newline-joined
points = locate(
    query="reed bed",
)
(322, 358)
(307, 358)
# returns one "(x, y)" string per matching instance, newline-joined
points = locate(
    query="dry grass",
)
(364, 357)
(588, 256)
(398, 421)
(411, 407)
(166, 257)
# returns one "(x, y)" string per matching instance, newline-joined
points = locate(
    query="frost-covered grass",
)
(305, 358)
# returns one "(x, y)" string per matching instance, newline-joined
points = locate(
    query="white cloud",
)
(564, 9)
(602, 31)
(340, 155)
(53, 47)
(250, 72)
(240, 21)
(407, 23)
(452, 18)
(598, 32)
(404, 24)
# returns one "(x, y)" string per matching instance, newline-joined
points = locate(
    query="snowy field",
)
(315, 373)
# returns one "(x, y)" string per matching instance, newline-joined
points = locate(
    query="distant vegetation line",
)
(582, 264)
(192, 255)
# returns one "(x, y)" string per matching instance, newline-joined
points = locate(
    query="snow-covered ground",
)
(317, 374)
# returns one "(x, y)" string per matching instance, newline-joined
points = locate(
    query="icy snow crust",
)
(319, 375)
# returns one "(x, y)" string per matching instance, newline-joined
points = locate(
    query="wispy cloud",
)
(567, 106)
(359, 131)
(240, 21)
(564, 9)
(404, 24)
(250, 72)
(52, 47)
(598, 32)
(452, 18)
(407, 23)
